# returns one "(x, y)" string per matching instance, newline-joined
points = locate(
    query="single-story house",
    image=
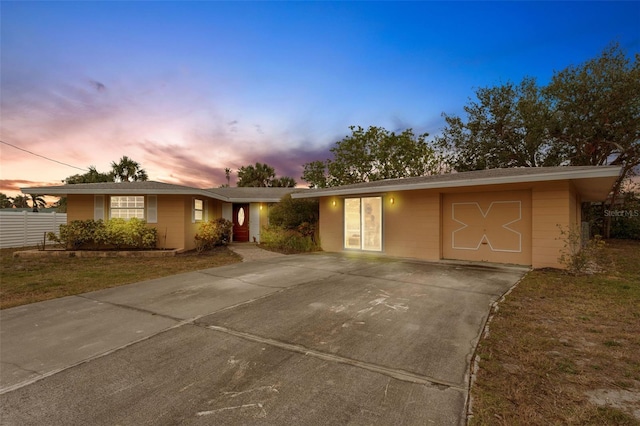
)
(173, 209)
(501, 215)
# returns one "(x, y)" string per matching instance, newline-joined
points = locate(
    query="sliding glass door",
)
(363, 223)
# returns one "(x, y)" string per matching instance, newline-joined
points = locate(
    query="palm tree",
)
(37, 202)
(128, 170)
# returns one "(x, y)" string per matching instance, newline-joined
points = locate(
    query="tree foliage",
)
(92, 176)
(596, 111)
(508, 126)
(370, 155)
(262, 175)
(587, 115)
(5, 201)
(21, 201)
(127, 170)
(291, 213)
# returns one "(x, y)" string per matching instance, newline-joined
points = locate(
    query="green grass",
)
(29, 280)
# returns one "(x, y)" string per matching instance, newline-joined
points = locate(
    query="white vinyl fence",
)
(23, 229)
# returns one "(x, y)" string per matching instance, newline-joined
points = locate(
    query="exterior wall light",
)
(333, 203)
(391, 200)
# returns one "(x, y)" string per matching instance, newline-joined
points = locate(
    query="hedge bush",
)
(216, 232)
(287, 240)
(98, 234)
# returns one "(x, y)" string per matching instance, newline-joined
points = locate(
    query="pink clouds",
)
(174, 131)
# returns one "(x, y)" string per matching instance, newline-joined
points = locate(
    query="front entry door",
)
(241, 222)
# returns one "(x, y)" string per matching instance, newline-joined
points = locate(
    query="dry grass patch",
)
(29, 280)
(565, 350)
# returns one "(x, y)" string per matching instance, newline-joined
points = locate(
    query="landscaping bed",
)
(95, 253)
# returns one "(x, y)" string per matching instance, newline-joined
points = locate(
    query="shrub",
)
(293, 225)
(213, 233)
(291, 214)
(578, 257)
(287, 240)
(118, 233)
(77, 233)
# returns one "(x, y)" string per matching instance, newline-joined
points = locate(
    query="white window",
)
(126, 207)
(198, 210)
(363, 223)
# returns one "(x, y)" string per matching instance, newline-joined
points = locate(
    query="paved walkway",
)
(251, 251)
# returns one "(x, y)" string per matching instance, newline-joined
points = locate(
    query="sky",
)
(188, 89)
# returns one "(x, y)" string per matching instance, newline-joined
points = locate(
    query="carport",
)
(510, 216)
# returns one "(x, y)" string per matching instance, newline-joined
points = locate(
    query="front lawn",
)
(564, 350)
(28, 280)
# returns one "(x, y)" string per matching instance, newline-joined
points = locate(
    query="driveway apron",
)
(310, 339)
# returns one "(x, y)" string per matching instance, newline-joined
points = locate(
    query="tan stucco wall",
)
(79, 207)
(331, 223)
(413, 224)
(552, 207)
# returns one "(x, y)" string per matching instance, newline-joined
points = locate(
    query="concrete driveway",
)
(306, 339)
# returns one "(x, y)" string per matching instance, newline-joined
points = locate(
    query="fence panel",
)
(23, 229)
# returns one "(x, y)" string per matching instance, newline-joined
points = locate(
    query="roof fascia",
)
(86, 191)
(457, 183)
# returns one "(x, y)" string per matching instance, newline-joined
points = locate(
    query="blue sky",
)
(189, 88)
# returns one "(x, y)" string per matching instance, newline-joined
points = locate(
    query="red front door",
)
(241, 222)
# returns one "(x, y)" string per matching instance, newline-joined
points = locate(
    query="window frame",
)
(140, 212)
(196, 210)
(369, 234)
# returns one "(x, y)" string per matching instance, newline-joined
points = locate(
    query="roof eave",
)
(552, 176)
(61, 191)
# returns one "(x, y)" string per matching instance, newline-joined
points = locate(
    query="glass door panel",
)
(352, 223)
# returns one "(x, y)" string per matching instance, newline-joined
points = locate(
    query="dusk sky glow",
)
(190, 88)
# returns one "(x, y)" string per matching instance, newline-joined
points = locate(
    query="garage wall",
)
(553, 205)
(488, 226)
(412, 224)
